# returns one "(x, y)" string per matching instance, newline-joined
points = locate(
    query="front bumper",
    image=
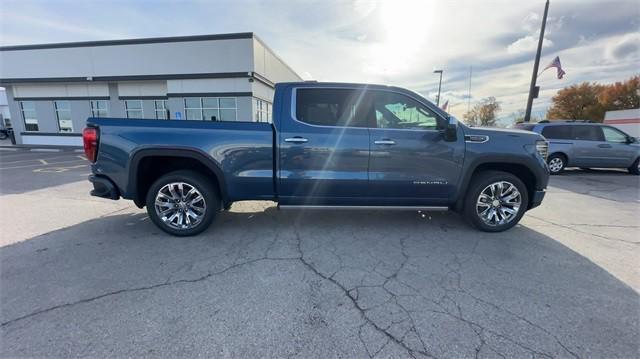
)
(103, 187)
(538, 196)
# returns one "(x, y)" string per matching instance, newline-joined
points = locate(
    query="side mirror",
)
(450, 130)
(631, 139)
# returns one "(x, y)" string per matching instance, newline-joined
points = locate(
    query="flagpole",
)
(469, 93)
(533, 89)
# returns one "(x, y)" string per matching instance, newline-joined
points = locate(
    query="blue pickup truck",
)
(330, 146)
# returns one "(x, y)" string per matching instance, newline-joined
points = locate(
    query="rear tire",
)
(509, 203)
(182, 203)
(556, 163)
(635, 167)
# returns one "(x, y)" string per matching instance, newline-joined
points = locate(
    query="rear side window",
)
(588, 133)
(334, 107)
(557, 132)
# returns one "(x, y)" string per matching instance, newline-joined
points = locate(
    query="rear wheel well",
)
(520, 171)
(151, 168)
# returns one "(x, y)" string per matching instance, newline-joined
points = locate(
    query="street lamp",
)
(439, 86)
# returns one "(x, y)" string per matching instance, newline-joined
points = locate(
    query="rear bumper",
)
(103, 187)
(538, 196)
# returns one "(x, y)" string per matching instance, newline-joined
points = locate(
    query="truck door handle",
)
(385, 142)
(296, 139)
(604, 145)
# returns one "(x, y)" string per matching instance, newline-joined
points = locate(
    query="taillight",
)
(90, 141)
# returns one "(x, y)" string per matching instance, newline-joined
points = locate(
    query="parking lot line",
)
(31, 157)
(8, 149)
(41, 164)
(45, 150)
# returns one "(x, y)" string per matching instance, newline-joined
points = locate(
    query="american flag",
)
(556, 63)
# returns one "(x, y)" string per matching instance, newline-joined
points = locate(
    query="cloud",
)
(525, 44)
(627, 47)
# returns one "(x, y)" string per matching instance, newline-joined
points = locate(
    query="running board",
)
(385, 208)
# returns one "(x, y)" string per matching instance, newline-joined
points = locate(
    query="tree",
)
(577, 102)
(589, 101)
(621, 95)
(483, 113)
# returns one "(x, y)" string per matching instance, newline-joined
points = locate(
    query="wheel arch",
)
(143, 169)
(522, 171)
(561, 153)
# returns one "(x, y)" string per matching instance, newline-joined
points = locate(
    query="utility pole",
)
(439, 86)
(533, 89)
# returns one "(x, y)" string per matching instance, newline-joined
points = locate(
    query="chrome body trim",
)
(389, 208)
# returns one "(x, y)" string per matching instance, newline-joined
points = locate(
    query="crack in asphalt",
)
(454, 267)
(136, 289)
(572, 228)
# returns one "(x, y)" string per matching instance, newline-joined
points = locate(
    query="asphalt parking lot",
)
(85, 277)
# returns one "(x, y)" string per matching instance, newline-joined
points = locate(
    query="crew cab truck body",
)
(330, 145)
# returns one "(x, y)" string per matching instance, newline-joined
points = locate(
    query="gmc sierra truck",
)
(330, 146)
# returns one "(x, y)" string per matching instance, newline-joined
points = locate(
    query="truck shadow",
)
(521, 273)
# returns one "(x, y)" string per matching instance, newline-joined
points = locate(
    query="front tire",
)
(635, 167)
(182, 203)
(556, 163)
(495, 201)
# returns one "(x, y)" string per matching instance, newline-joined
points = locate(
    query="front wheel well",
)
(564, 155)
(518, 170)
(150, 168)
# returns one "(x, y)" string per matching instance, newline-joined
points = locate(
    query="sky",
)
(395, 42)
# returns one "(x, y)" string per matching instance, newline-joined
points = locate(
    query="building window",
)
(63, 114)
(211, 108)
(133, 108)
(99, 108)
(28, 109)
(162, 110)
(263, 111)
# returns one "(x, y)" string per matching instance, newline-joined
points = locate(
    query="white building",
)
(5, 115)
(626, 120)
(53, 88)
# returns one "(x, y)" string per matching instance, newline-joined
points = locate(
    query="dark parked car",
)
(584, 144)
(331, 145)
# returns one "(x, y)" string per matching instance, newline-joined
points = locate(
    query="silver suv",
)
(584, 144)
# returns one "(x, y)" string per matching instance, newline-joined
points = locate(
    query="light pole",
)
(439, 86)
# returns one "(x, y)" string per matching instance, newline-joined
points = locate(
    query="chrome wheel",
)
(556, 164)
(499, 203)
(180, 205)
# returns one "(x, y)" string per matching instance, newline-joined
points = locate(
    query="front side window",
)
(99, 108)
(133, 108)
(334, 107)
(28, 109)
(560, 132)
(211, 108)
(613, 135)
(63, 114)
(394, 110)
(161, 109)
(587, 133)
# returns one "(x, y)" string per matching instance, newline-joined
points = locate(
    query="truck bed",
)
(244, 151)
